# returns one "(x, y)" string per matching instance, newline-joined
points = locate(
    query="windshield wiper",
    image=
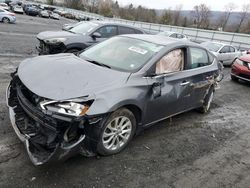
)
(71, 31)
(97, 63)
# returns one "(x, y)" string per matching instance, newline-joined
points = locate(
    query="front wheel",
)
(73, 51)
(117, 132)
(6, 20)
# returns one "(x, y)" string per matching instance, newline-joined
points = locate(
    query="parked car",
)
(18, 9)
(173, 35)
(225, 53)
(32, 11)
(7, 17)
(97, 101)
(44, 13)
(68, 15)
(81, 36)
(4, 6)
(241, 69)
(55, 16)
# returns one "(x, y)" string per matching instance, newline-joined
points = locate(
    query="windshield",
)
(83, 28)
(212, 46)
(122, 53)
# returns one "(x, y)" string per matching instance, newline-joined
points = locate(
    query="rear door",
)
(202, 72)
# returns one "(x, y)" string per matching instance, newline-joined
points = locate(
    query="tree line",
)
(199, 17)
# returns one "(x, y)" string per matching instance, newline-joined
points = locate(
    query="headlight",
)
(67, 108)
(55, 40)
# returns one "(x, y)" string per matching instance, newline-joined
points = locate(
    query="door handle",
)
(184, 83)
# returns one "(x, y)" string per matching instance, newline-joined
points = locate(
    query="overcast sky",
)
(187, 4)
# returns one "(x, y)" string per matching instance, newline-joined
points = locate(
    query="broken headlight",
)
(67, 108)
(55, 40)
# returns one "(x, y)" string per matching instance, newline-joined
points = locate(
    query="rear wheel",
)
(207, 101)
(117, 132)
(6, 20)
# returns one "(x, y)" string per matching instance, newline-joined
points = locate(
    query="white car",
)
(173, 35)
(18, 9)
(225, 53)
(55, 16)
(4, 6)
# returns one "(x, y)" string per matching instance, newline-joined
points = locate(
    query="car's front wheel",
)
(117, 132)
(6, 20)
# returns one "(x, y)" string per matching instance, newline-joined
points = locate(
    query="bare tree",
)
(177, 14)
(166, 17)
(228, 11)
(243, 15)
(75, 4)
(50, 2)
(201, 15)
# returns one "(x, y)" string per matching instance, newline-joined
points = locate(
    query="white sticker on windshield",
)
(138, 50)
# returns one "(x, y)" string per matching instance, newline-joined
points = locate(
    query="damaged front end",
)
(48, 135)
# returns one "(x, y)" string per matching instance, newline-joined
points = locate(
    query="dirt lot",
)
(190, 150)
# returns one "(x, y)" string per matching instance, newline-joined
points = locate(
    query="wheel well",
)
(73, 49)
(136, 111)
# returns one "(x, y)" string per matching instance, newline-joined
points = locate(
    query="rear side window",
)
(225, 49)
(138, 31)
(232, 49)
(199, 58)
(179, 36)
(126, 30)
(173, 35)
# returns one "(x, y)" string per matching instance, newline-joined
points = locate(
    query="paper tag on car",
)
(138, 50)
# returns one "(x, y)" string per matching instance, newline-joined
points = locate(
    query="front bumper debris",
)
(45, 49)
(46, 139)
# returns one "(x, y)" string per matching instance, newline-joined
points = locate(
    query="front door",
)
(174, 85)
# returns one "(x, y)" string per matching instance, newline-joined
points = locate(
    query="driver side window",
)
(172, 62)
(107, 31)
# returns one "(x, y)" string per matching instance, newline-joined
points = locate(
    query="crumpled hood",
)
(55, 34)
(66, 76)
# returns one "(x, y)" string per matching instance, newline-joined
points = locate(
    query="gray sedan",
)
(226, 54)
(97, 102)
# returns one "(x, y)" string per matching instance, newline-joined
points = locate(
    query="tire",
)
(233, 78)
(207, 101)
(73, 51)
(117, 132)
(5, 20)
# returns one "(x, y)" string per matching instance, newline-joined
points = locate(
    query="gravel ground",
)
(189, 150)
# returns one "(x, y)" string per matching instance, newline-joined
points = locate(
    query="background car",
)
(4, 6)
(55, 16)
(7, 17)
(173, 35)
(241, 69)
(81, 36)
(31, 9)
(18, 9)
(96, 102)
(44, 14)
(226, 54)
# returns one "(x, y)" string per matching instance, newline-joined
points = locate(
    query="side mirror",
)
(96, 35)
(156, 87)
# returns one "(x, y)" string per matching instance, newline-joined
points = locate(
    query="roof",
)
(158, 39)
(101, 22)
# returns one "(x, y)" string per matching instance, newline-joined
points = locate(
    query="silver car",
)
(6, 16)
(173, 35)
(225, 53)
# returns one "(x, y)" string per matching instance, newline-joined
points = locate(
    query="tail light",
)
(11, 14)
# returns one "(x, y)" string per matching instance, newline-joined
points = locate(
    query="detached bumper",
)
(43, 144)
